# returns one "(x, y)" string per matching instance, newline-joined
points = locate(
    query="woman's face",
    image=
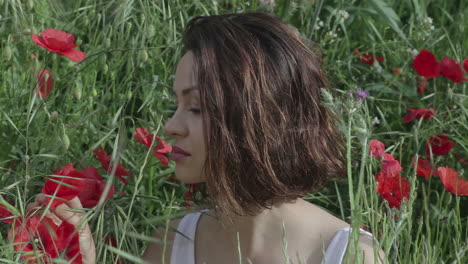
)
(186, 126)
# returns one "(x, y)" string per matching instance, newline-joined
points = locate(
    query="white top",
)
(183, 250)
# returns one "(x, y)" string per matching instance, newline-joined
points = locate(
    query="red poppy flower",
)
(188, 198)
(424, 168)
(393, 189)
(425, 113)
(387, 156)
(452, 181)
(42, 237)
(59, 42)
(425, 64)
(142, 136)
(162, 148)
(64, 188)
(368, 58)
(376, 148)
(450, 69)
(465, 64)
(396, 71)
(439, 144)
(45, 83)
(105, 160)
(391, 168)
(90, 196)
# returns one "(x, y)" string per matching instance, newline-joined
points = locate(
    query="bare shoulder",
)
(156, 252)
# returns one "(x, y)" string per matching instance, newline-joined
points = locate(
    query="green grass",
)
(133, 48)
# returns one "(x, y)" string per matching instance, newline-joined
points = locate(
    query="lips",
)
(179, 151)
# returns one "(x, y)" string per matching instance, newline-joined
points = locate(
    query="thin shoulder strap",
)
(337, 247)
(183, 249)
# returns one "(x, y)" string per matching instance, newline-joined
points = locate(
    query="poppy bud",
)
(86, 21)
(27, 32)
(105, 68)
(129, 95)
(77, 91)
(7, 53)
(107, 43)
(54, 116)
(150, 32)
(98, 17)
(94, 92)
(30, 4)
(66, 141)
(143, 56)
(103, 59)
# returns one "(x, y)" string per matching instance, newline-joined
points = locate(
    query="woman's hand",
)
(62, 213)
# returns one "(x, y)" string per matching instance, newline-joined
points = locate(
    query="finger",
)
(54, 218)
(31, 206)
(63, 212)
(41, 198)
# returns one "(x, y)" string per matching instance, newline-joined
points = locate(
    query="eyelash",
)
(193, 110)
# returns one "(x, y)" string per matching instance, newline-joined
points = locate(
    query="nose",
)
(175, 127)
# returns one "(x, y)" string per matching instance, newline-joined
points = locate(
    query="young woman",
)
(249, 124)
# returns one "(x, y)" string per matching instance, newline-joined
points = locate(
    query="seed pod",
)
(107, 43)
(105, 68)
(143, 56)
(78, 90)
(7, 53)
(129, 94)
(65, 140)
(27, 32)
(94, 92)
(150, 31)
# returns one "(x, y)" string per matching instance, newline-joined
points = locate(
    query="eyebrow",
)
(187, 90)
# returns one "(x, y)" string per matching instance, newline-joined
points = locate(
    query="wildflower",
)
(90, 195)
(361, 94)
(376, 148)
(375, 121)
(450, 69)
(439, 144)
(425, 113)
(452, 181)
(393, 189)
(142, 136)
(341, 16)
(425, 64)
(105, 160)
(40, 239)
(368, 58)
(45, 83)
(396, 71)
(424, 168)
(64, 188)
(390, 167)
(59, 42)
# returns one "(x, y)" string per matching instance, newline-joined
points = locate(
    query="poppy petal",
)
(452, 181)
(425, 64)
(450, 69)
(74, 55)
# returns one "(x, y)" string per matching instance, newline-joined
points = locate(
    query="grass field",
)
(124, 83)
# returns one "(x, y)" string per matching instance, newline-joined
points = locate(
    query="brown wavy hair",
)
(268, 136)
